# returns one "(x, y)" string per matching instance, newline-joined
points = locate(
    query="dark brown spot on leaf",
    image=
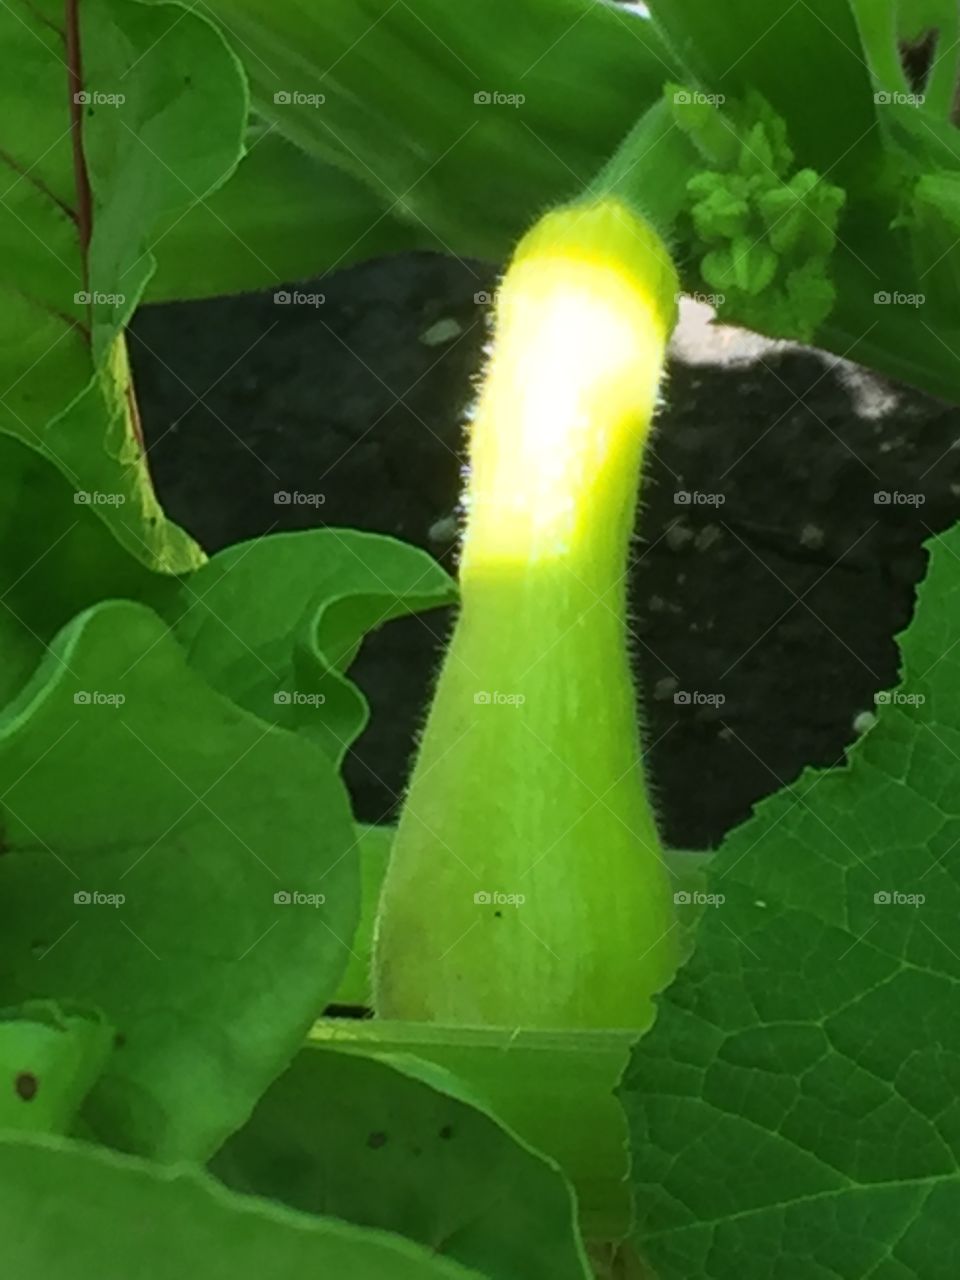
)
(26, 1085)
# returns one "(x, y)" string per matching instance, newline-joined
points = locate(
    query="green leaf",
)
(79, 1213)
(282, 216)
(58, 558)
(143, 844)
(49, 1059)
(405, 99)
(275, 622)
(554, 1089)
(795, 1102)
(396, 1143)
(917, 340)
(752, 45)
(95, 167)
(272, 623)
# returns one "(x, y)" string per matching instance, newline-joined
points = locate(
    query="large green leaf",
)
(175, 862)
(275, 622)
(282, 217)
(79, 1213)
(271, 623)
(794, 1109)
(422, 103)
(110, 128)
(826, 95)
(397, 1143)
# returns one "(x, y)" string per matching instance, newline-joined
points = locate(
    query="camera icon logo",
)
(882, 299)
(282, 898)
(281, 97)
(482, 698)
(682, 898)
(81, 698)
(682, 97)
(681, 698)
(82, 299)
(883, 98)
(81, 898)
(82, 99)
(482, 298)
(482, 99)
(681, 498)
(281, 498)
(882, 699)
(282, 698)
(482, 899)
(882, 898)
(81, 498)
(281, 298)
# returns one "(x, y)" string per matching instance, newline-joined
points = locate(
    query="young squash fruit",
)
(526, 886)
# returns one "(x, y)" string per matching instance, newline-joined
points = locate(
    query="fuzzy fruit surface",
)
(526, 885)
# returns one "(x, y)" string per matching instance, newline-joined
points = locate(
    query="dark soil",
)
(784, 600)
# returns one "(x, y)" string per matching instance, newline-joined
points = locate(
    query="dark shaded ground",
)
(784, 600)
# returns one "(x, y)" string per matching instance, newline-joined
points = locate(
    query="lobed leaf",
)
(178, 864)
(796, 1100)
(80, 1213)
